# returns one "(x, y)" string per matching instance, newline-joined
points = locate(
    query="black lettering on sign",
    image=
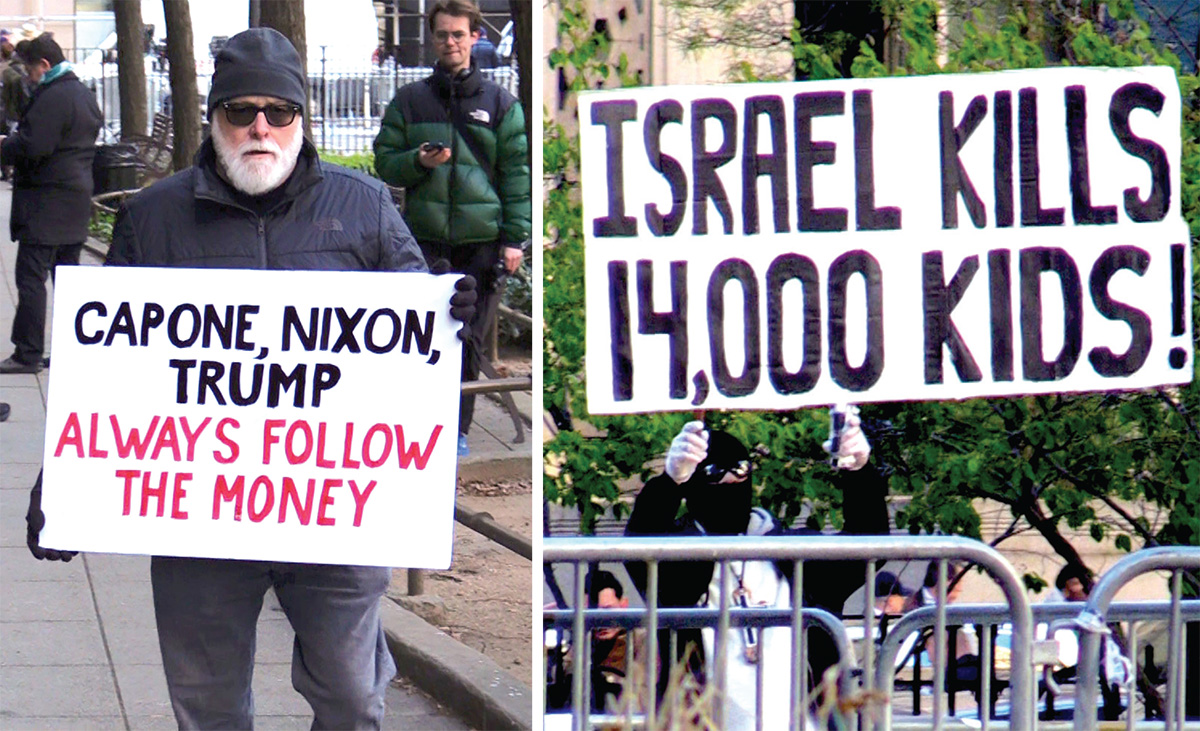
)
(672, 323)
(1102, 359)
(1000, 287)
(1177, 252)
(122, 324)
(174, 334)
(611, 114)
(865, 376)
(773, 164)
(1002, 159)
(785, 268)
(866, 216)
(727, 383)
(1032, 213)
(705, 163)
(1158, 200)
(940, 300)
(1034, 261)
(1082, 209)
(657, 117)
(955, 180)
(1177, 357)
(618, 323)
(97, 336)
(810, 154)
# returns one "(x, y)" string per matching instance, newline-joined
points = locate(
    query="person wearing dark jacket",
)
(708, 476)
(51, 154)
(456, 143)
(258, 197)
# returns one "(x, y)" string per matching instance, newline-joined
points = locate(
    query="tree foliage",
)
(1120, 465)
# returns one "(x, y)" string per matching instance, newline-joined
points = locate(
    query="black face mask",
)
(722, 510)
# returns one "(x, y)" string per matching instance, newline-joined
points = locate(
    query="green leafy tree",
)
(1122, 465)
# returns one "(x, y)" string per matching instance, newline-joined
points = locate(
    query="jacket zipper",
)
(262, 242)
(453, 166)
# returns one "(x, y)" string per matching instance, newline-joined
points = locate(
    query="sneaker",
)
(12, 365)
(463, 449)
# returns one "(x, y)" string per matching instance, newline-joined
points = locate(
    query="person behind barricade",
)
(612, 648)
(891, 595)
(706, 489)
(967, 664)
(1074, 584)
(455, 142)
(51, 153)
(258, 197)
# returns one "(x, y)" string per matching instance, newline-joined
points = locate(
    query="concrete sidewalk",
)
(77, 642)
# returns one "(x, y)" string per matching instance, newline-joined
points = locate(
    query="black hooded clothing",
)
(827, 584)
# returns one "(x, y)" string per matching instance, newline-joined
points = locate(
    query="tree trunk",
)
(287, 17)
(522, 14)
(184, 91)
(131, 66)
(255, 13)
(1031, 510)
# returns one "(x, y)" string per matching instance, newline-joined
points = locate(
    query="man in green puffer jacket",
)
(455, 142)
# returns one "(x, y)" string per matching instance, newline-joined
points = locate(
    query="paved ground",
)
(77, 645)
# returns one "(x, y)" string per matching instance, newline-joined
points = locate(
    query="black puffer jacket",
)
(324, 217)
(52, 154)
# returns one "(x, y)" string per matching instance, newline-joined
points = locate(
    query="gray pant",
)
(207, 613)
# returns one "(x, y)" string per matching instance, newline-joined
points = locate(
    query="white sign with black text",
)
(285, 416)
(780, 245)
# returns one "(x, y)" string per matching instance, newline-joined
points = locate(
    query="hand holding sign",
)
(847, 444)
(688, 449)
(35, 520)
(462, 302)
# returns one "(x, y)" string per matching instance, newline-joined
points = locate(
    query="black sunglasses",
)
(714, 473)
(242, 114)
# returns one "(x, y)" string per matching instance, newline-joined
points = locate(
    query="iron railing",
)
(721, 550)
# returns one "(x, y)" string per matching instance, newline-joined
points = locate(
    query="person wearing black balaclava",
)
(706, 489)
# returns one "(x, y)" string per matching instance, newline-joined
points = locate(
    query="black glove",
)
(35, 520)
(462, 302)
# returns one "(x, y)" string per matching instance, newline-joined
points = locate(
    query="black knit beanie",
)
(258, 62)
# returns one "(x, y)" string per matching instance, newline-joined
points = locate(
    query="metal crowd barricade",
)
(992, 615)
(723, 549)
(674, 619)
(1093, 621)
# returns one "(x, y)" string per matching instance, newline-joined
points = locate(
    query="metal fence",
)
(347, 101)
(877, 675)
(1058, 614)
(799, 549)
(1092, 620)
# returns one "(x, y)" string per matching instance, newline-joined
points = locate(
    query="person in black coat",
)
(708, 474)
(51, 154)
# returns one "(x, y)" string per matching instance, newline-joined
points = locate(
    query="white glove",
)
(853, 448)
(688, 449)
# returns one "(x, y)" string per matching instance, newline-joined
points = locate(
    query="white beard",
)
(257, 175)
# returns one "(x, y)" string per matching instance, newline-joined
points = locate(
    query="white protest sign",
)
(285, 416)
(773, 246)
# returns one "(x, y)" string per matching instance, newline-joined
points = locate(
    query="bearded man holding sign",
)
(258, 197)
